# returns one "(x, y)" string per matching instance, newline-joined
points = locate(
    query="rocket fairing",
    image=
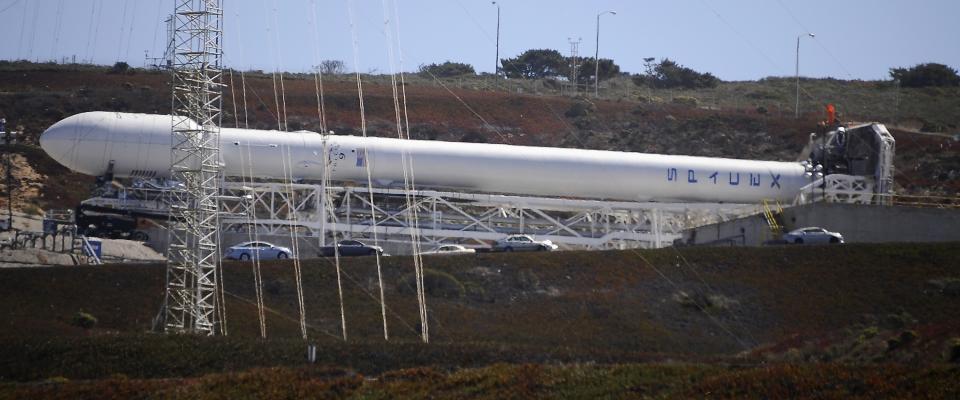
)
(139, 146)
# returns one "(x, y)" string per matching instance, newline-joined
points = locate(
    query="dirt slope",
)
(34, 96)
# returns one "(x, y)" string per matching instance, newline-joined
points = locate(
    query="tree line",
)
(662, 74)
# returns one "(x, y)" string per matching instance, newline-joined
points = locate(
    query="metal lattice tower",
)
(191, 295)
(575, 61)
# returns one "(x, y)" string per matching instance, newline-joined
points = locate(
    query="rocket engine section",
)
(138, 146)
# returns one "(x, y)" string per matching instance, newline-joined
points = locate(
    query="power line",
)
(9, 6)
(815, 39)
(23, 28)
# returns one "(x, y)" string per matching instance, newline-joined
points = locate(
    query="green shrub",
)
(953, 350)
(868, 333)
(668, 74)
(435, 283)
(527, 280)
(904, 339)
(119, 68)
(84, 320)
(31, 209)
(899, 321)
(580, 109)
(686, 101)
(447, 69)
(923, 75)
(476, 292)
(946, 286)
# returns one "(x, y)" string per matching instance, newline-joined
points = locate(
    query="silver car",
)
(523, 243)
(812, 235)
(449, 249)
(261, 250)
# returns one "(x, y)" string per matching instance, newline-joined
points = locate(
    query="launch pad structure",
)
(858, 171)
(326, 214)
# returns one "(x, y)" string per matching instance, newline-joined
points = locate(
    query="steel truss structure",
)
(191, 293)
(839, 188)
(467, 218)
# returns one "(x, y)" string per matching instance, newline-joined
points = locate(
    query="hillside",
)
(860, 320)
(750, 120)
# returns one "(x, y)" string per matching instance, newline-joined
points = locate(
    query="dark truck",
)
(350, 248)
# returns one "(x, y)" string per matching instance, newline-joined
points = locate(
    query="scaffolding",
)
(191, 290)
(470, 219)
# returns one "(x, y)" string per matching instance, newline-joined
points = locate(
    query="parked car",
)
(449, 249)
(523, 243)
(262, 250)
(350, 248)
(812, 235)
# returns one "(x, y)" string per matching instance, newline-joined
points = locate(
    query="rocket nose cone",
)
(59, 140)
(54, 140)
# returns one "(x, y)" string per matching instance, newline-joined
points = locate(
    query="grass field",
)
(860, 321)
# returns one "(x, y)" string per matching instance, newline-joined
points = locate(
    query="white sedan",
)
(523, 243)
(812, 235)
(449, 249)
(261, 250)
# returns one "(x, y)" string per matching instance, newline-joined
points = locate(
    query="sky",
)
(733, 39)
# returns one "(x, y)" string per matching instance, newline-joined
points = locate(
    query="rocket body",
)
(139, 146)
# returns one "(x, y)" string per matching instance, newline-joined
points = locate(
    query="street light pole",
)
(596, 57)
(497, 64)
(797, 106)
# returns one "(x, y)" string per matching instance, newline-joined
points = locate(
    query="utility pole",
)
(797, 106)
(596, 57)
(496, 65)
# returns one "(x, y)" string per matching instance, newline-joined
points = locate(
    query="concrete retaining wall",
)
(857, 223)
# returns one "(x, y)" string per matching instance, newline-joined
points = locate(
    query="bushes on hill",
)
(332, 67)
(535, 63)
(447, 69)
(668, 74)
(119, 68)
(84, 320)
(435, 283)
(546, 63)
(923, 75)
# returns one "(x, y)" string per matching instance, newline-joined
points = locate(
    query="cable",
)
(56, 30)
(96, 31)
(133, 21)
(123, 24)
(699, 307)
(93, 13)
(23, 28)
(366, 157)
(254, 234)
(233, 100)
(9, 6)
(282, 315)
(287, 167)
(825, 49)
(318, 74)
(752, 45)
(327, 202)
(156, 32)
(408, 172)
(33, 30)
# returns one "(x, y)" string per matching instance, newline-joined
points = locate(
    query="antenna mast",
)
(575, 62)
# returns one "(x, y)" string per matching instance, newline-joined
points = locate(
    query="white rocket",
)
(139, 146)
